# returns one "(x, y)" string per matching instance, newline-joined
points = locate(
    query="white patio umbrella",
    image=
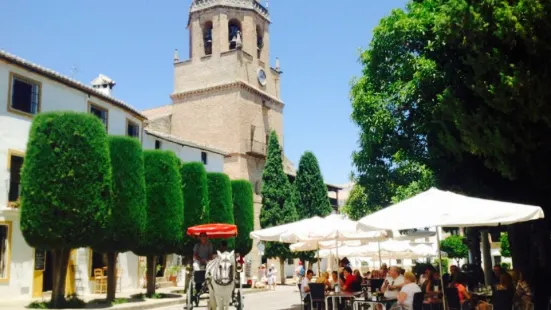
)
(277, 233)
(436, 208)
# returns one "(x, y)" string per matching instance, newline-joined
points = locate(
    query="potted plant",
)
(173, 272)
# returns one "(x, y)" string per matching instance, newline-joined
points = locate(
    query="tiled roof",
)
(183, 142)
(67, 81)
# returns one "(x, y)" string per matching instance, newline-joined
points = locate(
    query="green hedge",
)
(66, 181)
(243, 214)
(128, 216)
(165, 204)
(220, 199)
(196, 200)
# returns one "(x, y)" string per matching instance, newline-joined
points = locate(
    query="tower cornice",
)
(239, 84)
(253, 5)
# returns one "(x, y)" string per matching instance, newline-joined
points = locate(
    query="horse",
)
(220, 280)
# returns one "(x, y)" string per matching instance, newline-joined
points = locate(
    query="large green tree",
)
(243, 214)
(460, 87)
(278, 201)
(196, 201)
(312, 199)
(66, 188)
(220, 199)
(128, 214)
(165, 210)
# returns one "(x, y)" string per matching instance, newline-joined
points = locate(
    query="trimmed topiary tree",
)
(220, 199)
(66, 188)
(196, 201)
(455, 247)
(243, 214)
(165, 210)
(312, 199)
(128, 215)
(278, 202)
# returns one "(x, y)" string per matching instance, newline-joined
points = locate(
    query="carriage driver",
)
(202, 251)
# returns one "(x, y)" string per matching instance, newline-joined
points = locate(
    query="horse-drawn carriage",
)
(221, 277)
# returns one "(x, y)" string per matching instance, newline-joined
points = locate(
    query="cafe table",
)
(382, 302)
(339, 295)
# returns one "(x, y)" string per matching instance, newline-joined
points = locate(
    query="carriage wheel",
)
(239, 301)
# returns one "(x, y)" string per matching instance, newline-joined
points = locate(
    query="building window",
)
(264, 260)
(290, 261)
(234, 28)
(24, 95)
(207, 38)
(132, 129)
(204, 158)
(259, 41)
(157, 144)
(5, 248)
(14, 166)
(398, 262)
(101, 113)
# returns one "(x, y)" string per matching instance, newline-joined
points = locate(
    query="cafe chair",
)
(368, 305)
(502, 300)
(376, 284)
(100, 281)
(452, 296)
(317, 295)
(418, 299)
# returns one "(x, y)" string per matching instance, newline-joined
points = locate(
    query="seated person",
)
(324, 279)
(334, 280)
(459, 283)
(393, 283)
(427, 286)
(405, 297)
(305, 289)
(357, 284)
(349, 279)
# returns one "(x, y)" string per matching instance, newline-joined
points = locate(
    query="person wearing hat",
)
(203, 251)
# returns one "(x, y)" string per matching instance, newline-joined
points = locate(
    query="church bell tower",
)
(226, 95)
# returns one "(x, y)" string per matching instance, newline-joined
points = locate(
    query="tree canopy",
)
(196, 201)
(243, 213)
(459, 87)
(311, 189)
(220, 199)
(357, 205)
(455, 247)
(66, 188)
(165, 209)
(278, 199)
(126, 222)
(504, 245)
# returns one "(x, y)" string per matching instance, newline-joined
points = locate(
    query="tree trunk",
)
(282, 270)
(151, 275)
(111, 275)
(61, 260)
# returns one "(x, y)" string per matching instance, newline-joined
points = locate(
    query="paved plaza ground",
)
(284, 298)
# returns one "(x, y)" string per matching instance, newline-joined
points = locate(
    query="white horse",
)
(220, 279)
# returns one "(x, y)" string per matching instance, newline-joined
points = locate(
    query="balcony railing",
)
(256, 148)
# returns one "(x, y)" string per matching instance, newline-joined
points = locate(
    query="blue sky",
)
(132, 41)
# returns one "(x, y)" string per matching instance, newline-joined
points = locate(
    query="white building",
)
(30, 89)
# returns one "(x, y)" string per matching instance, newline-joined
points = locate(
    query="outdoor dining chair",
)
(418, 301)
(452, 296)
(317, 295)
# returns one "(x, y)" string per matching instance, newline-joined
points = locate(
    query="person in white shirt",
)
(410, 288)
(393, 283)
(305, 288)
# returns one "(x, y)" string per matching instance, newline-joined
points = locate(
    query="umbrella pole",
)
(440, 266)
(319, 263)
(380, 260)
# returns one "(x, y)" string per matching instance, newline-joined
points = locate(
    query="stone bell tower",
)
(226, 95)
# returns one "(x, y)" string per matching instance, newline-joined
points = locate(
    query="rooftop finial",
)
(277, 66)
(176, 55)
(267, 3)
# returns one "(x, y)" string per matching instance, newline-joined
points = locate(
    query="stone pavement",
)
(284, 298)
(176, 301)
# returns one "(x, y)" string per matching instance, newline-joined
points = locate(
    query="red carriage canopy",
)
(213, 230)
